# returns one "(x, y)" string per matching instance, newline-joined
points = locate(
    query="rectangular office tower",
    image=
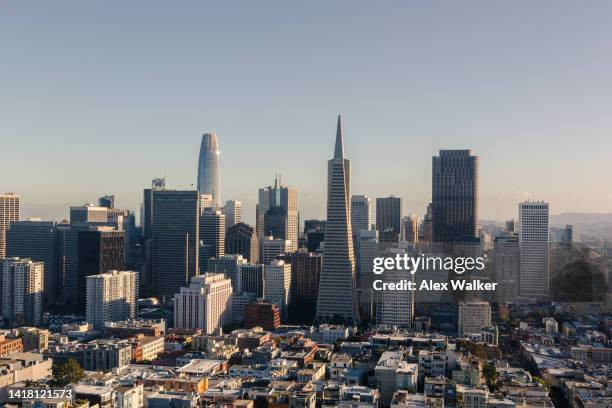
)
(534, 245)
(9, 211)
(507, 266)
(233, 212)
(361, 214)
(111, 297)
(455, 196)
(37, 240)
(389, 218)
(212, 236)
(100, 249)
(175, 240)
(286, 198)
(22, 292)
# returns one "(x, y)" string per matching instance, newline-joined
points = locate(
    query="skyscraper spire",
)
(337, 300)
(209, 181)
(339, 151)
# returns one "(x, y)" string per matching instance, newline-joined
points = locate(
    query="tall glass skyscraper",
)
(337, 298)
(455, 196)
(209, 178)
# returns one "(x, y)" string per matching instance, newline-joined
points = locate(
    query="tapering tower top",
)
(339, 151)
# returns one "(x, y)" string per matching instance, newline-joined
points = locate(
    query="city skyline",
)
(434, 78)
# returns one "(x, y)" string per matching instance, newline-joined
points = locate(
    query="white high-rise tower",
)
(533, 245)
(209, 179)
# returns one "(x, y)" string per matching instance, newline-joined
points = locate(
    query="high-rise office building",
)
(229, 265)
(37, 240)
(534, 249)
(367, 243)
(206, 304)
(277, 285)
(212, 236)
(512, 226)
(395, 307)
(157, 184)
(175, 240)
(276, 223)
(361, 213)
(146, 222)
(389, 218)
(314, 230)
(314, 225)
(286, 198)
(22, 292)
(89, 213)
(473, 317)
(68, 262)
(507, 267)
(233, 213)
(111, 297)
(107, 201)
(337, 300)
(305, 272)
(455, 196)
(271, 248)
(206, 202)
(9, 211)
(410, 229)
(252, 279)
(209, 177)
(239, 304)
(428, 225)
(242, 239)
(101, 249)
(569, 235)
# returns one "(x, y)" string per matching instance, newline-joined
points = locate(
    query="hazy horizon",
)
(99, 98)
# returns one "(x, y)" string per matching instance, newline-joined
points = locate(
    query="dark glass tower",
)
(175, 240)
(37, 240)
(388, 218)
(337, 300)
(455, 196)
(100, 250)
(242, 239)
(212, 236)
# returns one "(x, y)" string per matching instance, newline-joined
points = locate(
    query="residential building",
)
(111, 297)
(277, 285)
(22, 292)
(473, 317)
(9, 211)
(205, 304)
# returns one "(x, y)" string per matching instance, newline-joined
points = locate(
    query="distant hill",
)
(581, 218)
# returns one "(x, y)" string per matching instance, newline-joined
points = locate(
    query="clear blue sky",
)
(100, 97)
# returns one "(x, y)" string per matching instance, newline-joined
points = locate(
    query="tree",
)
(69, 372)
(490, 374)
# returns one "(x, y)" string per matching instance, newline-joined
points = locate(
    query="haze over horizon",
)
(101, 98)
